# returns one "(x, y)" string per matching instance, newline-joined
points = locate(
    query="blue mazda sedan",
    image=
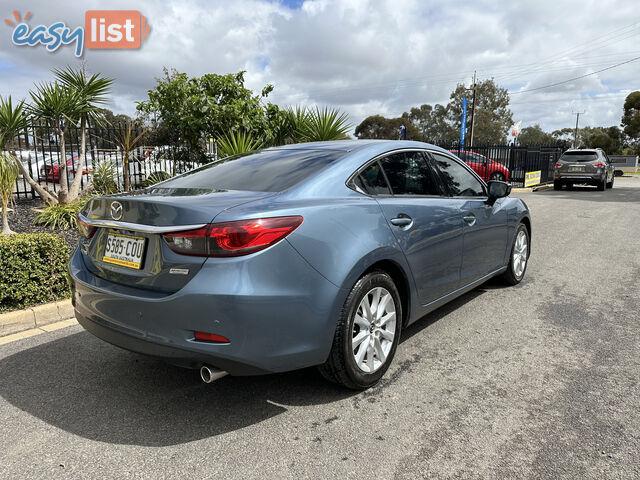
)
(316, 254)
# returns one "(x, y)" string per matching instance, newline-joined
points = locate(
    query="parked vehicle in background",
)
(485, 167)
(584, 166)
(51, 173)
(294, 256)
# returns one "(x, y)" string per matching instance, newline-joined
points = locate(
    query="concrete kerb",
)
(35, 317)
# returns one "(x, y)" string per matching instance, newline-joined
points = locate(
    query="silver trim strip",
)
(137, 226)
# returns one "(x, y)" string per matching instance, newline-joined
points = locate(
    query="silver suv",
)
(590, 166)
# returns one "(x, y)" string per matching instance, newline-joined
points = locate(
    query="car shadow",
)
(97, 391)
(585, 192)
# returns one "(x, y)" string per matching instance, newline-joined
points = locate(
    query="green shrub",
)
(60, 216)
(105, 178)
(34, 270)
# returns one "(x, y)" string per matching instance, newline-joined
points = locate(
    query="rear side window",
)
(459, 181)
(410, 174)
(579, 156)
(264, 171)
(371, 180)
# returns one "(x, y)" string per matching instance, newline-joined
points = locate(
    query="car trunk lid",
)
(127, 247)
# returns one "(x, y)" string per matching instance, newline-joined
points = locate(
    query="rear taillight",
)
(210, 337)
(86, 230)
(232, 239)
(558, 165)
(599, 165)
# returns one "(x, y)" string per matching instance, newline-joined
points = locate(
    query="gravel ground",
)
(541, 380)
(22, 220)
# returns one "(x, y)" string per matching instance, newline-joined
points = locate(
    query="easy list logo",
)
(103, 29)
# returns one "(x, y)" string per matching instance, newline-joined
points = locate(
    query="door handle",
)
(402, 221)
(470, 219)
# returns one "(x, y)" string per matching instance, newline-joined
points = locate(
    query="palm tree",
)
(8, 176)
(93, 93)
(324, 124)
(13, 120)
(128, 139)
(60, 106)
(237, 142)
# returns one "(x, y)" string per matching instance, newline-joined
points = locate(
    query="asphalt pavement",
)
(541, 380)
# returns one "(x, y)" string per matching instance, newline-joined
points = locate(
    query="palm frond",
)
(55, 102)
(12, 120)
(324, 124)
(235, 143)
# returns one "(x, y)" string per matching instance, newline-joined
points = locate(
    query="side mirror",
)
(497, 190)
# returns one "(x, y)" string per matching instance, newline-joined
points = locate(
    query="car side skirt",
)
(430, 307)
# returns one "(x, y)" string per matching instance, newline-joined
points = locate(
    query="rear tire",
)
(519, 257)
(377, 333)
(557, 185)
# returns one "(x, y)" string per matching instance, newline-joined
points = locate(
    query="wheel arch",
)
(401, 281)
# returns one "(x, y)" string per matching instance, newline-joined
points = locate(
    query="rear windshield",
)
(264, 171)
(579, 156)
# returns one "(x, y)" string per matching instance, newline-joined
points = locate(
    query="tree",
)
(60, 107)
(210, 106)
(534, 135)
(323, 124)
(376, 126)
(631, 118)
(92, 92)
(431, 123)
(12, 122)
(492, 115)
(128, 139)
(610, 139)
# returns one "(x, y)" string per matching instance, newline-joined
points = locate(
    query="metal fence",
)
(39, 151)
(491, 162)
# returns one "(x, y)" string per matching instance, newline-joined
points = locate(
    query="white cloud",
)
(365, 56)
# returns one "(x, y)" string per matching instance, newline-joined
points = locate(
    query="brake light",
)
(599, 164)
(86, 230)
(231, 239)
(210, 337)
(558, 165)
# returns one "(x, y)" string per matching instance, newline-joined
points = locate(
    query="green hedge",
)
(33, 270)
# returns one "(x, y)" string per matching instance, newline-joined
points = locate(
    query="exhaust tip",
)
(211, 374)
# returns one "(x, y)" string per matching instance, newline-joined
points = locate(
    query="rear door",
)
(485, 226)
(427, 225)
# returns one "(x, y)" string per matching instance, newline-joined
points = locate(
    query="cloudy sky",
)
(365, 57)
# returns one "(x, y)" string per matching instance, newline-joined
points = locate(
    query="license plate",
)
(124, 250)
(576, 169)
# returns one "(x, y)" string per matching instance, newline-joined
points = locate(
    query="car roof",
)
(352, 145)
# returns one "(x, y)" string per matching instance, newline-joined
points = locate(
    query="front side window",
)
(458, 180)
(410, 174)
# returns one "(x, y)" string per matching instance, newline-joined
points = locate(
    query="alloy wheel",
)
(520, 254)
(374, 329)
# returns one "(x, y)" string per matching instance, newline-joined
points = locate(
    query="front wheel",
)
(519, 257)
(610, 184)
(557, 185)
(498, 176)
(367, 334)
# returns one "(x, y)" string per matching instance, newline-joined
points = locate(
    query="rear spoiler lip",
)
(138, 227)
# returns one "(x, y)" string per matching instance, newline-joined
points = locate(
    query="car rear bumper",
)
(278, 315)
(595, 179)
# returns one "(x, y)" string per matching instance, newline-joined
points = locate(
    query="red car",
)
(51, 173)
(484, 166)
